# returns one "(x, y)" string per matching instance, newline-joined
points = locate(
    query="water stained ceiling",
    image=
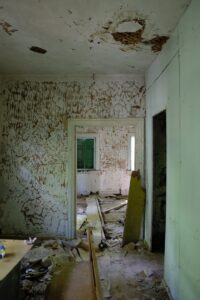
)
(57, 37)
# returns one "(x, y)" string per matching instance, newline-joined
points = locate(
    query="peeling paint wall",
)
(113, 175)
(33, 149)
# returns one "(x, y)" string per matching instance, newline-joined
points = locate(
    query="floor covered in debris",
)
(129, 272)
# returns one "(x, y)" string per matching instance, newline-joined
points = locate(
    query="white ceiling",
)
(77, 35)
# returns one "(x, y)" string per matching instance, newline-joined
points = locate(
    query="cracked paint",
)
(132, 37)
(8, 28)
(33, 149)
(157, 42)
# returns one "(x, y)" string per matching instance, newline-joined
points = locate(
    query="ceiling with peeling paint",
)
(62, 37)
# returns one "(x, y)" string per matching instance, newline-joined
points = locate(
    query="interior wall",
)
(34, 144)
(112, 175)
(173, 83)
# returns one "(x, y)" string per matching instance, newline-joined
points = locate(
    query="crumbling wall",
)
(113, 175)
(33, 149)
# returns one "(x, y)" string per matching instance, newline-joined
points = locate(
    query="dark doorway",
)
(159, 182)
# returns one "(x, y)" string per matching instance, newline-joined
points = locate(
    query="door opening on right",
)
(159, 182)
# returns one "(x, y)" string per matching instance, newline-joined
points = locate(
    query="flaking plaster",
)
(34, 145)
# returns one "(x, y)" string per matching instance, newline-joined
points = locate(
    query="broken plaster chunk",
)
(40, 288)
(34, 261)
(130, 247)
(140, 246)
(36, 254)
(32, 274)
(26, 285)
(30, 241)
(60, 261)
(47, 277)
(72, 243)
(51, 244)
(46, 262)
(141, 276)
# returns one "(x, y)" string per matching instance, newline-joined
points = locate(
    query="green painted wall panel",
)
(173, 178)
(190, 144)
(179, 84)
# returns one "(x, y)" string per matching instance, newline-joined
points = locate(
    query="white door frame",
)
(137, 123)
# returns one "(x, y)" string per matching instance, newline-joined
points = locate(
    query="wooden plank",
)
(97, 284)
(101, 219)
(15, 250)
(94, 220)
(75, 281)
(135, 210)
(80, 219)
(117, 206)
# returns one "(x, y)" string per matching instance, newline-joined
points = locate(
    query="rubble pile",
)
(39, 265)
(129, 272)
(132, 271)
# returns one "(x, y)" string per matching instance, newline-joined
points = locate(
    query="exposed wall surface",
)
(173, 83)
(112, 175)
(33, 149)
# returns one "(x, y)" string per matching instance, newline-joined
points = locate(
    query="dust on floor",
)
(128, 273)
(131, 272)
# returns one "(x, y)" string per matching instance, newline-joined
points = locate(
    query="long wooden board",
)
(94, 220)
(75, 281)
(135, 210)
(96, 278)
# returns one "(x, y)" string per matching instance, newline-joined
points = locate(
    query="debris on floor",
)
(77, 280)
(131, 272)
(45, 259)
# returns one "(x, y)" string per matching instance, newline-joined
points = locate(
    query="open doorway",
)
(106, 179)
(105, 159)
(159, 182)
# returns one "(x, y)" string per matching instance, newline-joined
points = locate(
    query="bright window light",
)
(132, 153)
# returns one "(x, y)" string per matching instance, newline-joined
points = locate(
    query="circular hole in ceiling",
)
(129, 26)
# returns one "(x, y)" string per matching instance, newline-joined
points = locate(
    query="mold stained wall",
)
(33, 148)
(173, 83)
(113, 175)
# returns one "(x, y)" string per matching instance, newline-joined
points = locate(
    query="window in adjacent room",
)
(131, 152)
(86, 152)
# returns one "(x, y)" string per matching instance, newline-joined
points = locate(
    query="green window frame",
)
(86, 153)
